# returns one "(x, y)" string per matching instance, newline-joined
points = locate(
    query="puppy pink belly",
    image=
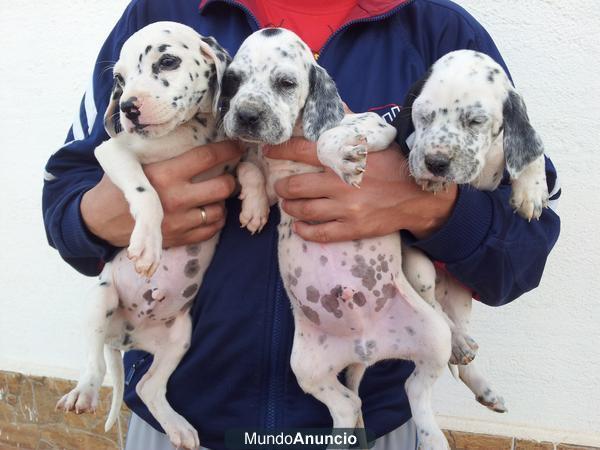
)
(341, 288)
(170, 291)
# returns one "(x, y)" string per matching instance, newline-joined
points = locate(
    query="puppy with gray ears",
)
(351, 303)
(167, 83)
(470, 124)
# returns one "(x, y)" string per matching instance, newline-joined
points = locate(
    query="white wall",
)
(542, 352)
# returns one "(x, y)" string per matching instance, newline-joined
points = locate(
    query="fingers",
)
(198, 194)
(317, 210)
(178, 223)
(296, 149)
(196, 160)
(195, 235)
(334, 231)
(309, 185)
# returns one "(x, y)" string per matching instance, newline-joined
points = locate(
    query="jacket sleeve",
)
(73, 169)
(484, 244)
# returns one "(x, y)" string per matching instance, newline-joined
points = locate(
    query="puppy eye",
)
(475, 121)
(285, 83)
(169, 62)
(119, 79)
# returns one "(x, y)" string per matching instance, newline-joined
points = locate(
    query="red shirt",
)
(313, 20)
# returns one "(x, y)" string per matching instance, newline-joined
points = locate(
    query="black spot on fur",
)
(148, 49)
(269, 32)
(163, 47)
(140, 189)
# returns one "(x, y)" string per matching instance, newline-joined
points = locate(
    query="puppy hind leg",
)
(316, 371)
(152, 388)
(354, 375)
(421, 274)
(426, 341)
(484, 394)
(84, 397)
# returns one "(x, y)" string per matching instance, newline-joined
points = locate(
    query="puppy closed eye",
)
(285, 83)
(476, 121)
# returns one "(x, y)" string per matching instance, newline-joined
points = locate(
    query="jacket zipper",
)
(344, 27)
(132, 369)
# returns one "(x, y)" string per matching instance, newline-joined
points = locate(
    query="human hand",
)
(387, 201)
(106, 212)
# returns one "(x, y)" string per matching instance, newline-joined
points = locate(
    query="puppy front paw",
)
(345, 152)
(529, 197)
(255, 209)
(145, 248)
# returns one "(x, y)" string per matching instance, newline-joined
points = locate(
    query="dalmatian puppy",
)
(163, 103)
(470, 125)
(351, 302)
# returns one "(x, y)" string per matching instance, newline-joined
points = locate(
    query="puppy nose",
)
(248, 116)
(437, 164)
(130, 109)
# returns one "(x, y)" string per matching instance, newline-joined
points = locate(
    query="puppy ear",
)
(112, 122)
(323, 108)
(522, 144)
(210, 48)
(403, 121)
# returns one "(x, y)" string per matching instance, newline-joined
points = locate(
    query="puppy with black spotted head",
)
(167, 82)
(471, 125)
(352, 304)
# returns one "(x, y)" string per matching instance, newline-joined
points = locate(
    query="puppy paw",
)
(82, 399)
(492, 401)
(145, 248)
(181, 433)
(255, 210)
(464, 348)
(529, 197)
(345, 154)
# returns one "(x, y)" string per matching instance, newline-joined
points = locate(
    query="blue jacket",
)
(237, 371)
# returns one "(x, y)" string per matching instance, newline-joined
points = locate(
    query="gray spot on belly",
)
(298, 271)
(410, 330)
(312, 294)
(311, 315)
(365, 352)
(148, 296)
(332, 305)
(359, 298)
(190, 290)
(363, 271)
(192, 267)
(193, 249)
(323, 259)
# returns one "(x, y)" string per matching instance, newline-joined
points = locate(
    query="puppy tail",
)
(454, 371)
(115, 369)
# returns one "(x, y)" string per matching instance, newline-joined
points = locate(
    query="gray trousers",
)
(142, 436)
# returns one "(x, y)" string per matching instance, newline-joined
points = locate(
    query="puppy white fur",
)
(167, 85)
